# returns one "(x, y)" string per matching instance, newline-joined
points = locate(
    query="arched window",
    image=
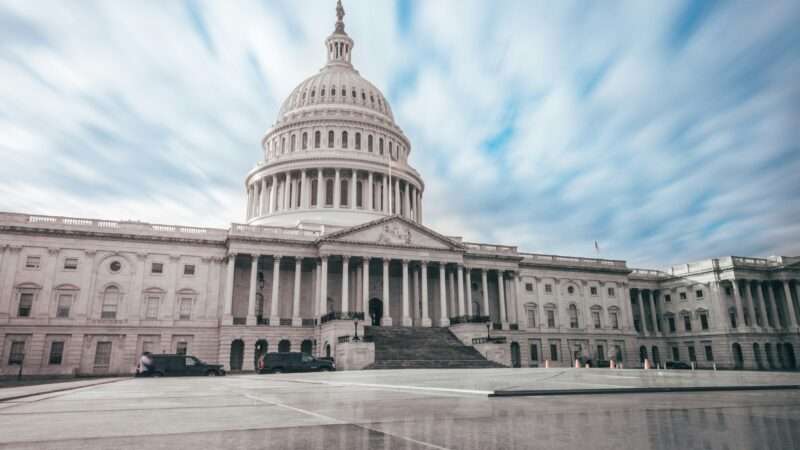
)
(333, 91)
(329, 192)
(283, 145)
(317, 139)
(305, 140)
(314, 187)
(359, 194)
(354, 93)
(358, 141)
(573, 316)
(322, 92)
(570, 290)
(292, 145)
(110, 303)
(345, 193)
(380, 146)
(369, 143)
(344, 139)
(330, 139)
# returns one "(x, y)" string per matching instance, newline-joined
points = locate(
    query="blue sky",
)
(667, 131)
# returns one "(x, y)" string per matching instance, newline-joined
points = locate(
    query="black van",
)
(179, 366)
(278, 362)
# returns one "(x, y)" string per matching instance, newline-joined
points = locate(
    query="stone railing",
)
(648, 273)
(348, 338)
(78, 223)
(267, 231)
(469, 319)
(342, 316)
(572, 260)
(491, 248)
(489, 340)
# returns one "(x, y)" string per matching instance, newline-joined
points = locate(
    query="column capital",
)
(277, 258)
(323, 258)
(345, 258)
(405, 261)
(386, 260)
(255, 256)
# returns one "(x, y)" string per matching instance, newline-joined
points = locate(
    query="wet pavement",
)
(405, 409)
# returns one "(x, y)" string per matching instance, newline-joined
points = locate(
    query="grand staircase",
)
(422, 348)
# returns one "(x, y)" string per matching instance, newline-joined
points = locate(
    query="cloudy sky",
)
(666, 131)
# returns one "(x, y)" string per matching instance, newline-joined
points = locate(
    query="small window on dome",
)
(363, 96)
(358, 141)
(333, 91)
(304, 95)
(380, 146)
(330, 139)
(354, 93)
(312, 93)
(369, 143)
(317, 139)
(305, 140)
(294, 138)
(371, 98)
(322, 92)
(344, 139)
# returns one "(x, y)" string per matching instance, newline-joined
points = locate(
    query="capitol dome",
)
(334, 156)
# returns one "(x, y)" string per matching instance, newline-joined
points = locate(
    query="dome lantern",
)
(339, 45)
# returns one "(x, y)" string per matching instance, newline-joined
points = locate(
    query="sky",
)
(666, 131)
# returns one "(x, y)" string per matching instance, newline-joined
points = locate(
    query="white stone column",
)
(426, 317)
(273, 205)
(419, 208)
(303, 190)
(249, 202)
(485, 291)
(773, 305)
(320, 189)
(652, 301)
(416, 312)
(517, 294)
(370, 196)
(738, 301)
(640, 302)
(264, 198)
(345, 284)
(337, 189)
(413, 209)
(625, 295)
(323, 287)
(452, 297)
(365, 287)
(407, 202)
(406, 316)
(502, 299)
(274, 318)
(386, 320)
(298, 275)
(444, 320)
(789, 304)
(762, 304)
(354, 189)
(287, 192)
(385, 194)
(227, 317)
(251, 299)
(396, 197)
(750, 302)
(469, 291)
(461, 309)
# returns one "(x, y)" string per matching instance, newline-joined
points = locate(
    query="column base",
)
(386, 321)
(407, 322)
(444, 322)
(274, 321)
(297, 321)
(227, 320)
(426, 322)
(251, 320)
(506, 326)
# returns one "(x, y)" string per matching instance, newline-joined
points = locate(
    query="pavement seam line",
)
(397, 386)
(343, 422)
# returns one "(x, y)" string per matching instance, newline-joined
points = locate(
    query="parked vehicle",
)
(678, 365)
(278, 362)
(179, 365)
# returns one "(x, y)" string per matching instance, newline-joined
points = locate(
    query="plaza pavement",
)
(410, 409)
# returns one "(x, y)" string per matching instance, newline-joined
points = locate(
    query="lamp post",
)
(355, 324)
(488, 328)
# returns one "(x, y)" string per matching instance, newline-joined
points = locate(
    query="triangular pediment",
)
(394, 231)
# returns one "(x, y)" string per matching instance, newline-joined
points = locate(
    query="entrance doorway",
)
(738, 360)
(515, 358)
(237, 354)
(306, 347)
(284, 346)
(376, 311)
(261, 349)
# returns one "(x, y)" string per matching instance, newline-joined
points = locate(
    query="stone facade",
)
(334, 233)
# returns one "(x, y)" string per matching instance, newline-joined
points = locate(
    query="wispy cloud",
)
(667, 131)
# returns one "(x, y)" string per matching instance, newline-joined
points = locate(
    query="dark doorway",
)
(656, 356)
(515, 359)
(738, 359)
(642, 354)
(237, 354)
(284, 346)
(306, 347)
(327, 350)
(261, 349)
(791, 363)
(757, 355)
(770, 356)
(375, 311)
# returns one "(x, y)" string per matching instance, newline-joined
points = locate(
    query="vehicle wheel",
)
(211, 373)
(156, 375)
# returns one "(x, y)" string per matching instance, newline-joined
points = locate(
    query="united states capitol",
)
(333, 245)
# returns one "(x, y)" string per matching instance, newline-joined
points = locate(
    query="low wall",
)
(354, 355)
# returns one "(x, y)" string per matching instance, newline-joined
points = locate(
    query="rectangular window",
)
(612, 292)
(188, 269)
(64, 303)
(671, 322)
(548, 288)
(698, 293)
(71, 264)
(682, 295)
(554, 352)
(551, 318)
(687, 323)
(704, 321)
(593, 290)
(185, 312)
(614, 321)
(601, 352)
(109, 310)
(692, 354)
(709, 353)
(667, 298)
(596, 318)
(157, 268)
(17, 354)
(148, 346)
(25, 304)
(180, 348)
(32, 262)
(676, 354)
(529, 287)
(531, 318)
(152, 308)
(534, 352)
(102, 354)
(56, 352)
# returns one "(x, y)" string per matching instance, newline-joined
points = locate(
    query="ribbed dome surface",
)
(336, 85)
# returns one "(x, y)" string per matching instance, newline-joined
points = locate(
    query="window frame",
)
(56, 358)
(193, 271)
(16, 353)
(69, 267)
(107, 347)
(154, 265)
(33, 262)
